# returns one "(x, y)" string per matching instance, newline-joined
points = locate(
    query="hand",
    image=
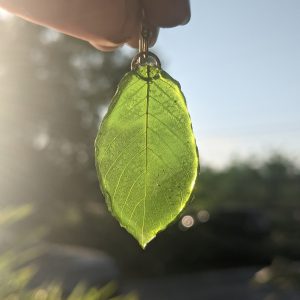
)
(106, 24)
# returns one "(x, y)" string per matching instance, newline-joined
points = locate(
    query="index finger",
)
(167, 13)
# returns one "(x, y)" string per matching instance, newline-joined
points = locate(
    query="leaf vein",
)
(121, 152)
(131, 95)
(122, 173)
(169, 148)
(165, 108)
(159, 157)
(133, 211)
(167, 95)
(175, 134)
(129, 192)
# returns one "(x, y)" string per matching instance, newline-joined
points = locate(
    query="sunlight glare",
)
(5, 15)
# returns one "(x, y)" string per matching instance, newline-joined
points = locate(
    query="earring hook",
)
(144, 55)
(144, 37)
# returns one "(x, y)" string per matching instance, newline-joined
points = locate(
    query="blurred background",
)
(239, 238)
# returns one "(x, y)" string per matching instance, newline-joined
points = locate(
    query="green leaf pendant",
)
(146, 154)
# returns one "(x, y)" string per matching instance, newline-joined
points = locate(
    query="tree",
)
(54, 91)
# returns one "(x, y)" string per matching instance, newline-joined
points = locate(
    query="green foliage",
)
(16, 273)
(14, 281)
(146, 153)
(53, 89)
(11, 215)
(282, 274)
(271, 185)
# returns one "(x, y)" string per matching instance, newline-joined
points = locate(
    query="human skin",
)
(106, 24)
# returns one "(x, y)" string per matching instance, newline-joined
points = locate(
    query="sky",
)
(238, 63)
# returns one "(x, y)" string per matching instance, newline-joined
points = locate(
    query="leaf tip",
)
(143, 246)
(144, 242)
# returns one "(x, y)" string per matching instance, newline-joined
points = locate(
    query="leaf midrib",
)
(146, 142)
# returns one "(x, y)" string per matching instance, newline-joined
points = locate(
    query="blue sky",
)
(239, 66)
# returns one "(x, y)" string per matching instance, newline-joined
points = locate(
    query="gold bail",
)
(144, 56)
(144, 37)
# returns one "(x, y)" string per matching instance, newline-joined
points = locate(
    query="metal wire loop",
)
(143, 58)
(144, 39)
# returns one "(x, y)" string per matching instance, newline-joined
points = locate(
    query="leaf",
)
(146, 155)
